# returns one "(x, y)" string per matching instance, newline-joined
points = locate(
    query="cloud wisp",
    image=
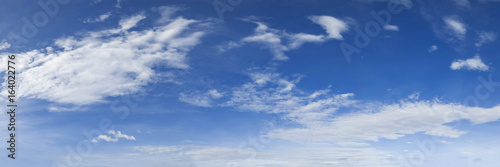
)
(455, 26)
(101, 18)
(322, 117)
(279, 41)
(85, 69)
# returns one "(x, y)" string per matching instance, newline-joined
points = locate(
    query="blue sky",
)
(253, 83)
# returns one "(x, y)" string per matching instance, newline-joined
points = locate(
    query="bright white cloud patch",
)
(130, 22)
(457, 28)
(119, 134)
(271, 38)
(215, 94)
(281, 41)
(101, 18)
(296, 40)
(332, 25)
(474, 63)
(104, 138)
(391, 28)
(85, 69)
(390, 122)
(116, 136)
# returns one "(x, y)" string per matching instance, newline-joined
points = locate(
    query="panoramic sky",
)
(243, 83)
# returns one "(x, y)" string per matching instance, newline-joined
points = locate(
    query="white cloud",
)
(432, 48)
(445, 131)
(196, 99)
(105, 138)
(215, 94)
(270, 93)
(271, 38)
(391, 27)
(263, 78)
(319, 93)
(332, 25)
(485, 37)
(456, 26)
(296, 40)
(62, 108)
(280, 41)
(4, 45)
(474, 63)
(390, 121)
(130, 22)
(316, 116)
(117, 135)
(87, 68)
(101, 18)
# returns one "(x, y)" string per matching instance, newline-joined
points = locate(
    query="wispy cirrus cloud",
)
(279, 41)
(85, 69)
(300, 156)
(213, 156)
(485, 37)
(456, 27)
(321, 117)
(101, 18)
(200, 99)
